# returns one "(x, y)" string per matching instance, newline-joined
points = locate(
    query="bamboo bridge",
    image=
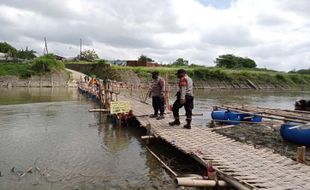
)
(241, 165)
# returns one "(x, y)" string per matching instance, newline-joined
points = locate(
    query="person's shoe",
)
(153, 116)
(187, 126)
(160, 117)
(175, 122)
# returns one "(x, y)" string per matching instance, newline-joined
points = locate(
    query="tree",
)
(89, 55)
(144, 58)
(180, 62)
(231, 61)
(301, 71)
(26, 54)
(8, 49)
(247, 63)
(13, 52)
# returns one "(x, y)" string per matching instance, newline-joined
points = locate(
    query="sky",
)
(274, 33)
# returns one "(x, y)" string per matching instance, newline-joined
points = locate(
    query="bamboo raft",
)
(278, 114)
(241, 165)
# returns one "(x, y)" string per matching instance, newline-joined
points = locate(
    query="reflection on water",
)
(51, 132)
(31, 95)
(70, 148)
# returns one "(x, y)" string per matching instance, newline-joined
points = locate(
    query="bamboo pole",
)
(301, 152)
(224, 127)
(165, 165)
(191, 182)
(262, 115)
(146, 137)
(287, 117)
(167, 90)
(146, 95)
(194, 114)
(98, 110)
(235, 121)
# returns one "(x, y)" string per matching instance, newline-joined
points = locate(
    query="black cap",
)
(181, 71)
(155, 73)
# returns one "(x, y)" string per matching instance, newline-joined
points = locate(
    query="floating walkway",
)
(278, 114)
(243, 166)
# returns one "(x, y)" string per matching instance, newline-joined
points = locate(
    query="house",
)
(134, 63)
(118, 62)
(5, 57)
(58, 57)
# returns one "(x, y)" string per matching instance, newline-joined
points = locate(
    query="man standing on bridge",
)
(157, 92)
(184, 98)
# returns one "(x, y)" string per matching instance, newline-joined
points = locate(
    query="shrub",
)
(102, 61)
(46, 64)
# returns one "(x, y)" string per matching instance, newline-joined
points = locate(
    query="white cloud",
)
(273, 33)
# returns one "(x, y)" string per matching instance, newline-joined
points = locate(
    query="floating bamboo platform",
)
(278, 114)
(241, 165)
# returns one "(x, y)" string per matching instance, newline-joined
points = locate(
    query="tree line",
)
(228, 61)
(10, 51)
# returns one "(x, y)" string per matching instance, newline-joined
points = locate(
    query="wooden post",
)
(131, 90)
(148, 129)
(301, 152)
(167, 92)
(106, 95)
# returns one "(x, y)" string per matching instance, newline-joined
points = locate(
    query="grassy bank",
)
(219, 74)
(200, 74)
(40, 66)
(15, 69)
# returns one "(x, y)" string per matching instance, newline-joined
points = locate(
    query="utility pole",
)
(45, 48)
(80, 48)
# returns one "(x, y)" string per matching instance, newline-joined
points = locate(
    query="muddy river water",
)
(51, 134)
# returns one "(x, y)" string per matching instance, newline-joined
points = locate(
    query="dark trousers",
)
(158, 105)
(188, 105)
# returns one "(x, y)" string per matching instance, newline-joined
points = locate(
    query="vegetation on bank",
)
(240, 72)
(48, 64)
(15, 54)
(42, 65)
(21, 70)
(222, 74)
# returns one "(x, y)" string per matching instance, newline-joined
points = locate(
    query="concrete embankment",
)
(142, 76)
(62, 79)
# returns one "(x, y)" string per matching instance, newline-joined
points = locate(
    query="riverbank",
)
(212, 78)
(67, 78)
(204, 77)
(218, 78)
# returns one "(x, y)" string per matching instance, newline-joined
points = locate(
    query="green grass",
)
(39, 66)
(214, 73)
(78, 62)
(198, 73)
(16, 69)
(47, 64)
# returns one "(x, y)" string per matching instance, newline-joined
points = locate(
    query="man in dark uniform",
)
(184, 98)
(157, 92)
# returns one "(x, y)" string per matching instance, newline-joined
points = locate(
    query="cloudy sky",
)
(275, 33)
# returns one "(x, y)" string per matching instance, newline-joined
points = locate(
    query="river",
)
(51, 133)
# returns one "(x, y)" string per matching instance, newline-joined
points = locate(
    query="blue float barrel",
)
(257, 119)
(219, 115)
(298, 135)
(233, 117)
